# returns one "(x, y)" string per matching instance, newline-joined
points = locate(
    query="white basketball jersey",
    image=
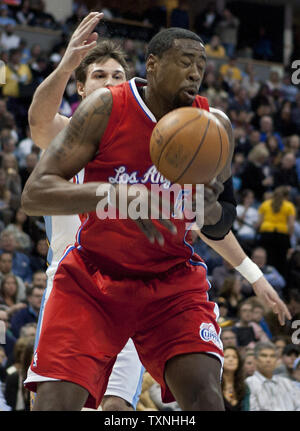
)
(61, 231)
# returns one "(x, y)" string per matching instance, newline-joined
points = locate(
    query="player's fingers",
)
(88, 19)
(169, 225)
(85, 30)
(86, 47)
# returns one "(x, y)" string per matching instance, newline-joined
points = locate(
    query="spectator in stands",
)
(14, 381)
(30, 313)
(18, 227)
(25, 14)
(253, 176)
(5, 19)
(38, 259)
(288, 90)
(296, 372)
(39, 279)
(260, 257)
(31, 161)
(24, 148)
(224, 321)
(247, 331)
(228, 31)
(13, 180)
(21, 262)
(267, 130)
(286, 174)
(206, 21)
(214, 48)
(9, 293)
(258, 316)
(156, 15)
(230, 71)
(276, 225)
(42, 18)
(241, 101)
(269, 392)
(231, 291)
(296, 113)
(263, 47)
(3, 360)
(290, 353)
(293, 145)
(293, 270)
(229, 338)
(5, 199)
(246, 219)
(219, 275)
(274, 80)
(10, 339)
(249, 367)
(28, 330)
(249, 81)
(180, 15)
(9, 39)
(6, 261)
(280, 342)
(234, 389)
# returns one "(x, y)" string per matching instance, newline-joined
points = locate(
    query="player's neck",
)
(155, 103)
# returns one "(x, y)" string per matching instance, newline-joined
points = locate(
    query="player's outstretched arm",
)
(48, 190)
(44, 120)
(230, 249)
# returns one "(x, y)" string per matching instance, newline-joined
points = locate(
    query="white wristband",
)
(249, 270)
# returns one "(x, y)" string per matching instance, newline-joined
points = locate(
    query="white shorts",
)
(127, 374)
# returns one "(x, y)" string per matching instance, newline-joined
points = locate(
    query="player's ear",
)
(151, 63)
(80, 88)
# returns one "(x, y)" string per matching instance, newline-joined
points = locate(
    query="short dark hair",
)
(104, 50)
(164, 40)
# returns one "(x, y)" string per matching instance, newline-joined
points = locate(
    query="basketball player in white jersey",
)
(104, 66)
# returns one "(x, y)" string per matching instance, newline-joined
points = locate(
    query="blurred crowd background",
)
(248, 76)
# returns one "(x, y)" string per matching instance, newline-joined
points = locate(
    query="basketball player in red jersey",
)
(157, 289)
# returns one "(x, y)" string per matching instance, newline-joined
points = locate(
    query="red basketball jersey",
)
(118, 247)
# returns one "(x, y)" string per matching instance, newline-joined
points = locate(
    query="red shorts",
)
(89, 317)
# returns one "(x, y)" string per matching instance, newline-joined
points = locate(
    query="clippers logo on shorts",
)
(208, 333)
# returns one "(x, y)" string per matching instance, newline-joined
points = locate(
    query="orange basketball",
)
(189, 146)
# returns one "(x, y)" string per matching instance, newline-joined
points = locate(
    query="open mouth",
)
(191, 92)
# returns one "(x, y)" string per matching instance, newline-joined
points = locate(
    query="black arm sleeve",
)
(227, 200)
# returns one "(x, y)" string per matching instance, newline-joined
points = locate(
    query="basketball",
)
(189, 146)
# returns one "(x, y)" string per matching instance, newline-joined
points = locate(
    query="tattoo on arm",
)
(86, 126)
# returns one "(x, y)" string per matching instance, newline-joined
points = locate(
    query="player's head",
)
(175, 65)
(105, 65)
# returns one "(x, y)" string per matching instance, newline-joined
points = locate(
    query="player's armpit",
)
(48, 190)
(222, 117)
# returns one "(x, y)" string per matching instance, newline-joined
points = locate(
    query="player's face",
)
(179, 73)
(100, 75)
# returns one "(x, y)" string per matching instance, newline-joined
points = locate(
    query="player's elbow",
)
(29, 200)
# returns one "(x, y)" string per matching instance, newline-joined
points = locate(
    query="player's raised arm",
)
(44, 120)
(48, 190)
(230, 249)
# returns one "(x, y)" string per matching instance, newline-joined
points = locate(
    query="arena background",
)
(249, 76)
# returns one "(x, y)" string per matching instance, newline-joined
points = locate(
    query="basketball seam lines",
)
(221, 152)
(198, 149)
(171, 137)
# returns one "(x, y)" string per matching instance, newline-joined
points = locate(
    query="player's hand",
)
(270, 297)
(83, 39)
(142, 212)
